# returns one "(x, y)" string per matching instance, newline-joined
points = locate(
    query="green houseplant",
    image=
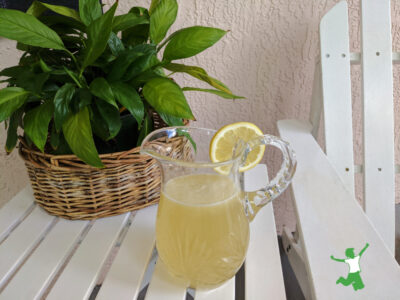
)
(88, 88)
(81, 71)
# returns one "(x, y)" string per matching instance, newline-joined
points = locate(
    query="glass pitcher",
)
(202, 227)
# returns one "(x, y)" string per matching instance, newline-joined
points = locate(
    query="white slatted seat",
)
(46, 257)
(329, 217)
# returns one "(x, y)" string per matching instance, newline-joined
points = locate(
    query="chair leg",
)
(294, 251)
(397, 246)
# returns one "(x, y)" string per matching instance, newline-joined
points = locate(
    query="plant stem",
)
(73, 58)
(162, 45)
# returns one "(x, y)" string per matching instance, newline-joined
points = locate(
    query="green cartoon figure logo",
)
(353, 262)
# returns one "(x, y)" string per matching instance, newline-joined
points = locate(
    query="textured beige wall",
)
(268, 56)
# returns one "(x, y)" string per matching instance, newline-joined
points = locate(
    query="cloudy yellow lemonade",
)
(202, 231)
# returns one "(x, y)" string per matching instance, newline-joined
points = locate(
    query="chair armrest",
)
(330, 220)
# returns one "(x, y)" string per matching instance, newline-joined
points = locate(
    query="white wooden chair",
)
(42, 256)
(329, 217)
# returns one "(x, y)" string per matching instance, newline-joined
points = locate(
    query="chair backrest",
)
(333, 85)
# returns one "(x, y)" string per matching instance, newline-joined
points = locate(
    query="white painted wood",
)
(224, 292)
(164, 286)
(263, 270)
(35, 275)
(20, 243)
(378, 131)
(13, 211)
(126, 274)
(397, 232)
(396, 57)
(316, 100)
(79, 277)
(331, 221)
(336, 89)
(360, 169)
(356, 58)
(295, 254)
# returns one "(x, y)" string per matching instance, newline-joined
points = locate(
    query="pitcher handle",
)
(256, 200)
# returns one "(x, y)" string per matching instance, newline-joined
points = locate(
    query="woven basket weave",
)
(66, 187)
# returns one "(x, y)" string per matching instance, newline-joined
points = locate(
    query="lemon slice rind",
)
(225, 139)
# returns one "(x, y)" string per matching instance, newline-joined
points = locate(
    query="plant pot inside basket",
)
(64, 186)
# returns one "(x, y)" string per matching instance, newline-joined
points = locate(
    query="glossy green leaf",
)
(126, 58)
(115, 44)
(37, 8)
(128, 97)
(63, 24)
(167, 97)
(198, 73)
(78, 134)
(63, 10)
(136, 35)
(162, 18)
(62, 100)
(101, 89)
(190, 41)
(12, 134)
(123, 22)
(140, 33)
(63, 147)
(111, 116)
(139, 11)
(140, 65)
(99, 126)
(36, 124)
(13, 71)
(54, 138)
(144, 77)
(215, 92)
(31, 81)
(171, 120)
(153, 5)
(98, 33)
(147, 127)
(11, 99)
(89, 10)
(73, 76)
(24, 28)
(83, 98)
(28, 140)
(45, 68)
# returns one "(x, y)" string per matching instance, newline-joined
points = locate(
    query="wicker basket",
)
(66, 187)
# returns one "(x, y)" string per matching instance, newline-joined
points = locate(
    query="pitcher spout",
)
(162, 144)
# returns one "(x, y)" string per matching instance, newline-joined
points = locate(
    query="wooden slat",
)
(356, 58)
(35, 275)
(379, 185)
(164, 286)
(336, 89)
(21, 242)
(316, 100)
(13, 211)
(295, 255)
(79, 277)
(263, 269)
(330, 221)
(225, 291)
(126, 274)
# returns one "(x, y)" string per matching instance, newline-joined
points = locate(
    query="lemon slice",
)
(225, 139)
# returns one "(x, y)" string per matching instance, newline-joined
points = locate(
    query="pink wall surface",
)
(268, 56)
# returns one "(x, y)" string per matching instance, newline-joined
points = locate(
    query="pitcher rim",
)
(203, 164)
